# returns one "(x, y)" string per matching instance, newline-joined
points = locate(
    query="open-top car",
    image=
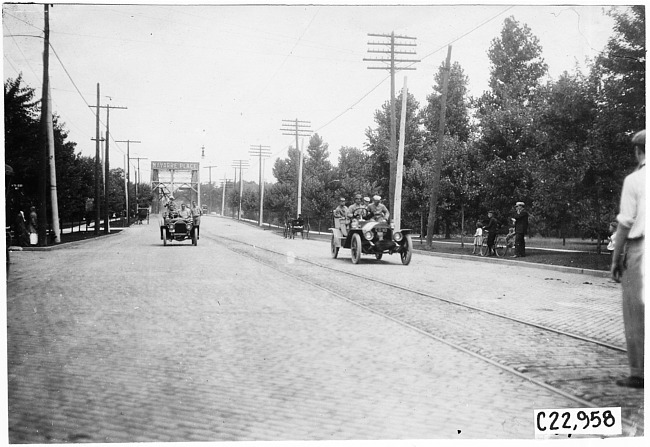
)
(370, 237)
(175, 228)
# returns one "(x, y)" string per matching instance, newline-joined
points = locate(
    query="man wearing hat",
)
(357, 205)
(377, 209)
(340, 216)
(627, 262)
(520, 220)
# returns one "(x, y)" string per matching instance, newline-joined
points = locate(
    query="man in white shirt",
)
(627, 262)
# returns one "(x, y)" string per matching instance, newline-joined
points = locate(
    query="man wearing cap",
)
(341, 211)
(357, 205)
(377, 209)
(627, 263)
(341, 216)
(520, 220)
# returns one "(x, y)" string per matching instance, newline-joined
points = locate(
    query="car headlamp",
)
(368, 235)
(354, 223)
(397, 236)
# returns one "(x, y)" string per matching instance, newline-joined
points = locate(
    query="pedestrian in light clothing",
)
(32, 226)
(478, 238)
(196, 212)
(520, 219)
(627, 263)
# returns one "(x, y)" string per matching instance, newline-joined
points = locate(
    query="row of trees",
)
(75, 173)
(561, 146)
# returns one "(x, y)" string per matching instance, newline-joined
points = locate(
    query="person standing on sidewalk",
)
(521, 228)
(491, 228)
(627, 263)
(33, 226)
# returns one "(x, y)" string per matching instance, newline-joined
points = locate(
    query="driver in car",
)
(378, 210)
(357, 207)
(184, 213)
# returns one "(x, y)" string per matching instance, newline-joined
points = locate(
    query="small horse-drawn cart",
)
(299, 225)
(143, 214)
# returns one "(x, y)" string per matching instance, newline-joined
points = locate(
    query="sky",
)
(224, 78)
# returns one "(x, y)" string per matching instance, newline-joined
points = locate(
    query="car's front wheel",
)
(355, 248)
(407, 250)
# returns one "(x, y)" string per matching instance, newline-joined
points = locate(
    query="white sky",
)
(225, 77)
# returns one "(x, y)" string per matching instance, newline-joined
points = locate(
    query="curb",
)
(557, 268)
(60, 246)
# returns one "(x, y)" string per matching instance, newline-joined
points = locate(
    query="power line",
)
(424, 57)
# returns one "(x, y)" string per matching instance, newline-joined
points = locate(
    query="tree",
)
(456, 131)
(618, 80)
(562, 153)
(23, 152)
(378, 144)
(507, 115)
(457, 122)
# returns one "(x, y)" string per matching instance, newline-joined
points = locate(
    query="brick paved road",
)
(124, 340)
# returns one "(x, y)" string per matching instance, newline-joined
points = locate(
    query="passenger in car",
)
(378, 210)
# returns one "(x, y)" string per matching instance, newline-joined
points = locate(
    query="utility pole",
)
(106, 163)
(241, 164)
(137, 179)
(224, 183)
(437, 167)
(393, 61)
(48, 148)
(261, 151)
(98, 171)
(210, 181)
(302, 129)
(128, 175)
(397, 208)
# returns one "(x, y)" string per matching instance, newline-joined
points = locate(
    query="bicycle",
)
(500, 246)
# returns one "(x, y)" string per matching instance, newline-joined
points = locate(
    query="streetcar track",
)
(457, 346)
(449, 301)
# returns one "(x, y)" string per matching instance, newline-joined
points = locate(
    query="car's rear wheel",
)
(355, 248)
(194, 241)
(334, 248)
(407, 250)
(164, 236)
(378, 256)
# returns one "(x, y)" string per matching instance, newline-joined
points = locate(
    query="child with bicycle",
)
(478, 238)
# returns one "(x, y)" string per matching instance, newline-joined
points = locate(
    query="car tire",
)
(194, 241)
(378, 256)
(407, 250)
(355, 248)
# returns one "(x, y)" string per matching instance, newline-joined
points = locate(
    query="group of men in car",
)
(362, 208)
(194, 212)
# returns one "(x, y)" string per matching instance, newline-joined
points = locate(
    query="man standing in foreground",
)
(627, 262)
(521, 228)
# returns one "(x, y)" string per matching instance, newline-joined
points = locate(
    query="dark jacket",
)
(492, 226)
(521, 222)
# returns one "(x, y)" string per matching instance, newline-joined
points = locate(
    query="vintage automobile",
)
(175, 228)
(370, 237)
